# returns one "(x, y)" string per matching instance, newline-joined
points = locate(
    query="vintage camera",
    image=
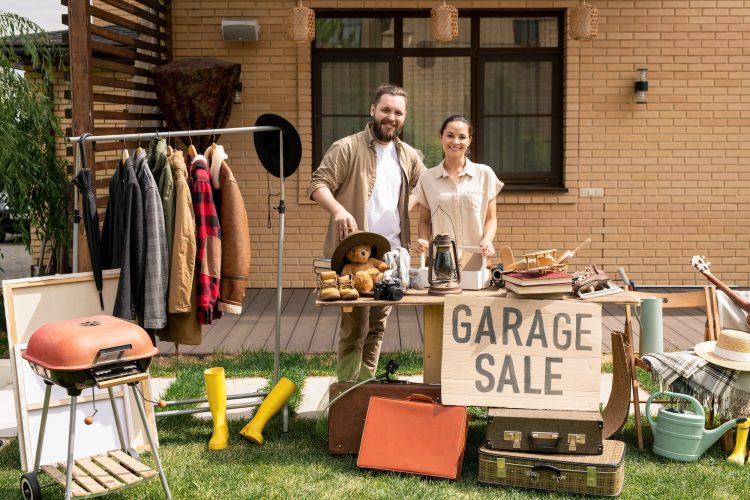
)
(496, 276)
(388, 290)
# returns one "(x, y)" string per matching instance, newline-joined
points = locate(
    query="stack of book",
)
(550, 285)
(321, 264)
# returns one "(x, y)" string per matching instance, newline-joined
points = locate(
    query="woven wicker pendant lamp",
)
(300, 24)
(584, 22)
(444, 23)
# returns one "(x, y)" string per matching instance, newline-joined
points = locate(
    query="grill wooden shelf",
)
(101, 474)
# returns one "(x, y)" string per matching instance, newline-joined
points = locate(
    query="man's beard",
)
(383, 136)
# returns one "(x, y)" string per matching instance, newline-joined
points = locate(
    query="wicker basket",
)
(300, 24)
(444, 23)
(584, 21)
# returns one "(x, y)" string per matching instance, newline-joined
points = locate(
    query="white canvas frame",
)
(31, 303)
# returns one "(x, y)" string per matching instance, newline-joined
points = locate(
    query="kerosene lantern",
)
(444, 274)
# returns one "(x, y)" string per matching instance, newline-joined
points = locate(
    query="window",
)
(504, 72)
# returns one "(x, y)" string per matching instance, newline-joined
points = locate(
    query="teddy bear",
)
(366, 270)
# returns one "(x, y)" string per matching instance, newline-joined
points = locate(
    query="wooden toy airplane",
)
(538, 262)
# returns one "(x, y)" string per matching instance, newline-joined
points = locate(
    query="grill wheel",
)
(30, 487)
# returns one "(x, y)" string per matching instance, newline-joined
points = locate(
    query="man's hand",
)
(344, 222)
(421, 246)
(341, 218)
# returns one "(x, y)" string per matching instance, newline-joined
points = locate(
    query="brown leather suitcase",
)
(601, 475)
(415, 436)
(346, 417)
(545, 431)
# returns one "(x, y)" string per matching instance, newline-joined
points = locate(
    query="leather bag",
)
(346, 417)
(415, 436)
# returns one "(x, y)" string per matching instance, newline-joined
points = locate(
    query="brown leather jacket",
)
(235, 240)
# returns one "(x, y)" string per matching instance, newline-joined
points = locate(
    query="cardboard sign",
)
(521, 353)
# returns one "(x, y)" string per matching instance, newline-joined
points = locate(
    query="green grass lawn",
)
(297, 464)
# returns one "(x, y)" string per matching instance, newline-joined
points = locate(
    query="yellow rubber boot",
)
(740, 443)
(271, 404)
(216, 390)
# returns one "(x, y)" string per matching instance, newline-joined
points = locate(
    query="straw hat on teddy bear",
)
(380, 246)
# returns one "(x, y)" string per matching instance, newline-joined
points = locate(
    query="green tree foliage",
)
(32, 177)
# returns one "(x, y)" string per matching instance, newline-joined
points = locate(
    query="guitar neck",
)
(744, 304)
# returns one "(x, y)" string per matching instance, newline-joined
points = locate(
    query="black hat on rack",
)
(267, 145)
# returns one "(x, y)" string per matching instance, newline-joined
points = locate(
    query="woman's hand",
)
(488, 250)
(421, 246)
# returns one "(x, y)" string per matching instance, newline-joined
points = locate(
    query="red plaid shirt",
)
(207, 242)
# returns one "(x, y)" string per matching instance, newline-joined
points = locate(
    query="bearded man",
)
(363, 182)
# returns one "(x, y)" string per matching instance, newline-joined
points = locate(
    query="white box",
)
(474, 272)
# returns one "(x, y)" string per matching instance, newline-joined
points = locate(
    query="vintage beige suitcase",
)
(600, 475)
(545, 431)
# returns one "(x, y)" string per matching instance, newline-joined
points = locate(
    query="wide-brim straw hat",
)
(731, 350)
(380, 246)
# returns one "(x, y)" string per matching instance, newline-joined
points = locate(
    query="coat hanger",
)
(124, 155)
(192, 152)
(140, 149)
(170, 150)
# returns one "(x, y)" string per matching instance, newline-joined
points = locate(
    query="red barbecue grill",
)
(98, 351)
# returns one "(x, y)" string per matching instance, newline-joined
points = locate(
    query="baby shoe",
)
(346, 288)
(328, 285)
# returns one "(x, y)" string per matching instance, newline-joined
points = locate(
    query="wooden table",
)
(432, 351)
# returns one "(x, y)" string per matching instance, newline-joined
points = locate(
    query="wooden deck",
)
(310, 329)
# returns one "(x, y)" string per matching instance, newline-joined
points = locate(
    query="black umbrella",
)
(84, 182)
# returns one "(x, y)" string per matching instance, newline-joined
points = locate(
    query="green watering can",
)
(681, 435)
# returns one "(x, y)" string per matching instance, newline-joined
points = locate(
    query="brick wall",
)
(673, 171)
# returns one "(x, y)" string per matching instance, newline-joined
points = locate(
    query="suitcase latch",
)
(591, 477)
(514, 436)
(575, 439)
(501, 472)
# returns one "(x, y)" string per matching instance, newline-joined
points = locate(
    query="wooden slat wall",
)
(124, 41)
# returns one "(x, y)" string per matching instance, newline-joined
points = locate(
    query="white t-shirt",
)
(382, 210)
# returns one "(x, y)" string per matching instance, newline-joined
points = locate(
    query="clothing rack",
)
(281, 207)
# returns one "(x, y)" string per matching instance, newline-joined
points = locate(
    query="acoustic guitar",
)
(701, 265)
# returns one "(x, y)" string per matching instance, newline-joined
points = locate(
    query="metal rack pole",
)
(176, 133)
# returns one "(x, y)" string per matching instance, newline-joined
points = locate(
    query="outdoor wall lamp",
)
(641, 86)
(237, 98)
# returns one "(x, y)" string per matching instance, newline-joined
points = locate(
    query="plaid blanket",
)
(687, 373)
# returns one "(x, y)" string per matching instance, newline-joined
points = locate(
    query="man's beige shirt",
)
(458, 208)
(348, 170)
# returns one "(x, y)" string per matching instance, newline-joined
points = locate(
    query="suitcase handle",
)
(551, 468)
(536, 437)
(420, 398)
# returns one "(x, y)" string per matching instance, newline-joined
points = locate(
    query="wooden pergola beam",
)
(79, 29)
